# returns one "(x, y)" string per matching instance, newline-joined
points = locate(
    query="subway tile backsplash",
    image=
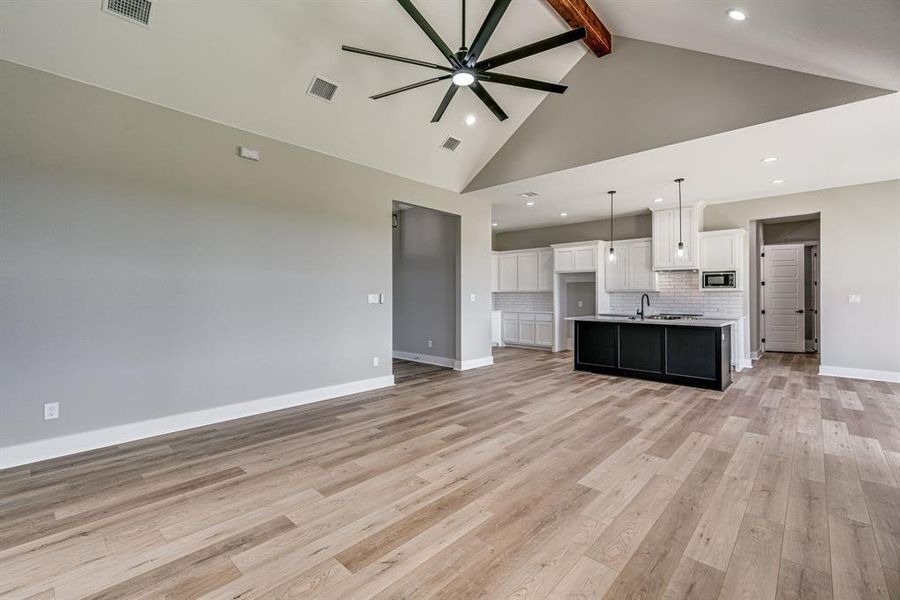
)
(679, 293)
(523, 301)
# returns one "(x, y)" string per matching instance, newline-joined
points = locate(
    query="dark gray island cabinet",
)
(695, 353)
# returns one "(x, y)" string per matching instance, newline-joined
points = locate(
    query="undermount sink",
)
(665, 317)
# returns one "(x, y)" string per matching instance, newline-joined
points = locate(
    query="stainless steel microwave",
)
(712, 280)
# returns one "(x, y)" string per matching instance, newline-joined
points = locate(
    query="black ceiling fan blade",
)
(411, 86)
(531, 49)
(487, 30)
(402, 59)
(488, 101)
(445, 102)
(523, 82)
(413, 12)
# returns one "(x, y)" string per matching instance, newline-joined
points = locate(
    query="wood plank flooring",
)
(522, 480)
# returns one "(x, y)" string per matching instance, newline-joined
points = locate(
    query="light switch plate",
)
(373, 298)
(51, 411)
(854, 299)
(471, 297)
(375, 361)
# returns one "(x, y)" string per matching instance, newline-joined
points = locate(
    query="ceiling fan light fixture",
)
(463, 77)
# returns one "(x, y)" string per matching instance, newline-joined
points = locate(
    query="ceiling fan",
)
(466, 70)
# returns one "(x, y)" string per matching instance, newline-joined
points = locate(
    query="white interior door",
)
(784, 299)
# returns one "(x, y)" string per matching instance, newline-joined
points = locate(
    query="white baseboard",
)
(871, 374)
(746, 364)
(754, 355)
(474, 363)
(441, 361)
(30, 452)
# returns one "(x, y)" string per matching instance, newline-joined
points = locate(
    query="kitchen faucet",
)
(641, 312)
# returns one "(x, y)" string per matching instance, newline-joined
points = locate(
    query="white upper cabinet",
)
(575, 257)
(545, 270)
(495, 273)
(528, 271)
(721, 250)
(632, 270)
(522, 271)
(666, 235)
(509, 273)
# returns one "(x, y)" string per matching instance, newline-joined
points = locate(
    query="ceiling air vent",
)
(136, 11)
(450, 144)
(322, 89)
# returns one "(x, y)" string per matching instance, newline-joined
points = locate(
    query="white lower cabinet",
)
(528, 329)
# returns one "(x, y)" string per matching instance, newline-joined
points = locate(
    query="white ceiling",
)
(854, 40)
(849, 144)
(247, 63)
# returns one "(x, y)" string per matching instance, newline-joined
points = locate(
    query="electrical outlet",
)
(375, 361)
(471, 297)
(580, 304)
(51, 411)
(430, 345)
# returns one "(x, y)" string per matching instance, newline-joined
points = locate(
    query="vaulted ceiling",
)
(248, 64)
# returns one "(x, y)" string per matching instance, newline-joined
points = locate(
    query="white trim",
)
(440, 361)
(29, 452)
(870, 374)
(474, 363)
(746, 364)
(754, 355)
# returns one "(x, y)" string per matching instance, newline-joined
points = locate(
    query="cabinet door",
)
(617, 271)
(663, 243)
(719, 252)
(543, 334)
(545, 271)
(510, 330)
(528, 272)
(495, 273)
(509, 268)
(526, 332)
(586, 259)
(564, 260)
(641, 277)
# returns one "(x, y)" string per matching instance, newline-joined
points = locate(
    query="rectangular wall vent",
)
(135, 11)
(450, 144)
(528, 194)
(322, 89)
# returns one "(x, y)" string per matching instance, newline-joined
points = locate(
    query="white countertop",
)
(678, 323)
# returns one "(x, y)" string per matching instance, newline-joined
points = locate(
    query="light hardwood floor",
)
(522, 480)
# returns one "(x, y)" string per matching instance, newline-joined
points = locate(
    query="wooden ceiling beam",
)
(578, 13)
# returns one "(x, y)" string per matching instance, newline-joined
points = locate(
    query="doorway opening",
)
(788, 285)
(425, 288)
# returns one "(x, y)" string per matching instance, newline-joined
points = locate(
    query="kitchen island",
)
(695, 352)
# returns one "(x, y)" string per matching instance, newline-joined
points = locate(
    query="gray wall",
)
(633, 226)
(860, 254)
(647, 95)
(426, 244)
(791, 231)
(148, 271)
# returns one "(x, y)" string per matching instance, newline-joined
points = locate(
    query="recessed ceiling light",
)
(737, 15)
(769, 159)
(657, 199)
(777, 181)
(564, 214)
(470, 120)
(493, 224)
(529, 203)
(528, 194)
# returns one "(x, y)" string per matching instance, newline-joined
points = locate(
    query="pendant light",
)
(680, 251)
(612, 251)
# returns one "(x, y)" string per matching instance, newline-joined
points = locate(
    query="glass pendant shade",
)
(612, 255)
